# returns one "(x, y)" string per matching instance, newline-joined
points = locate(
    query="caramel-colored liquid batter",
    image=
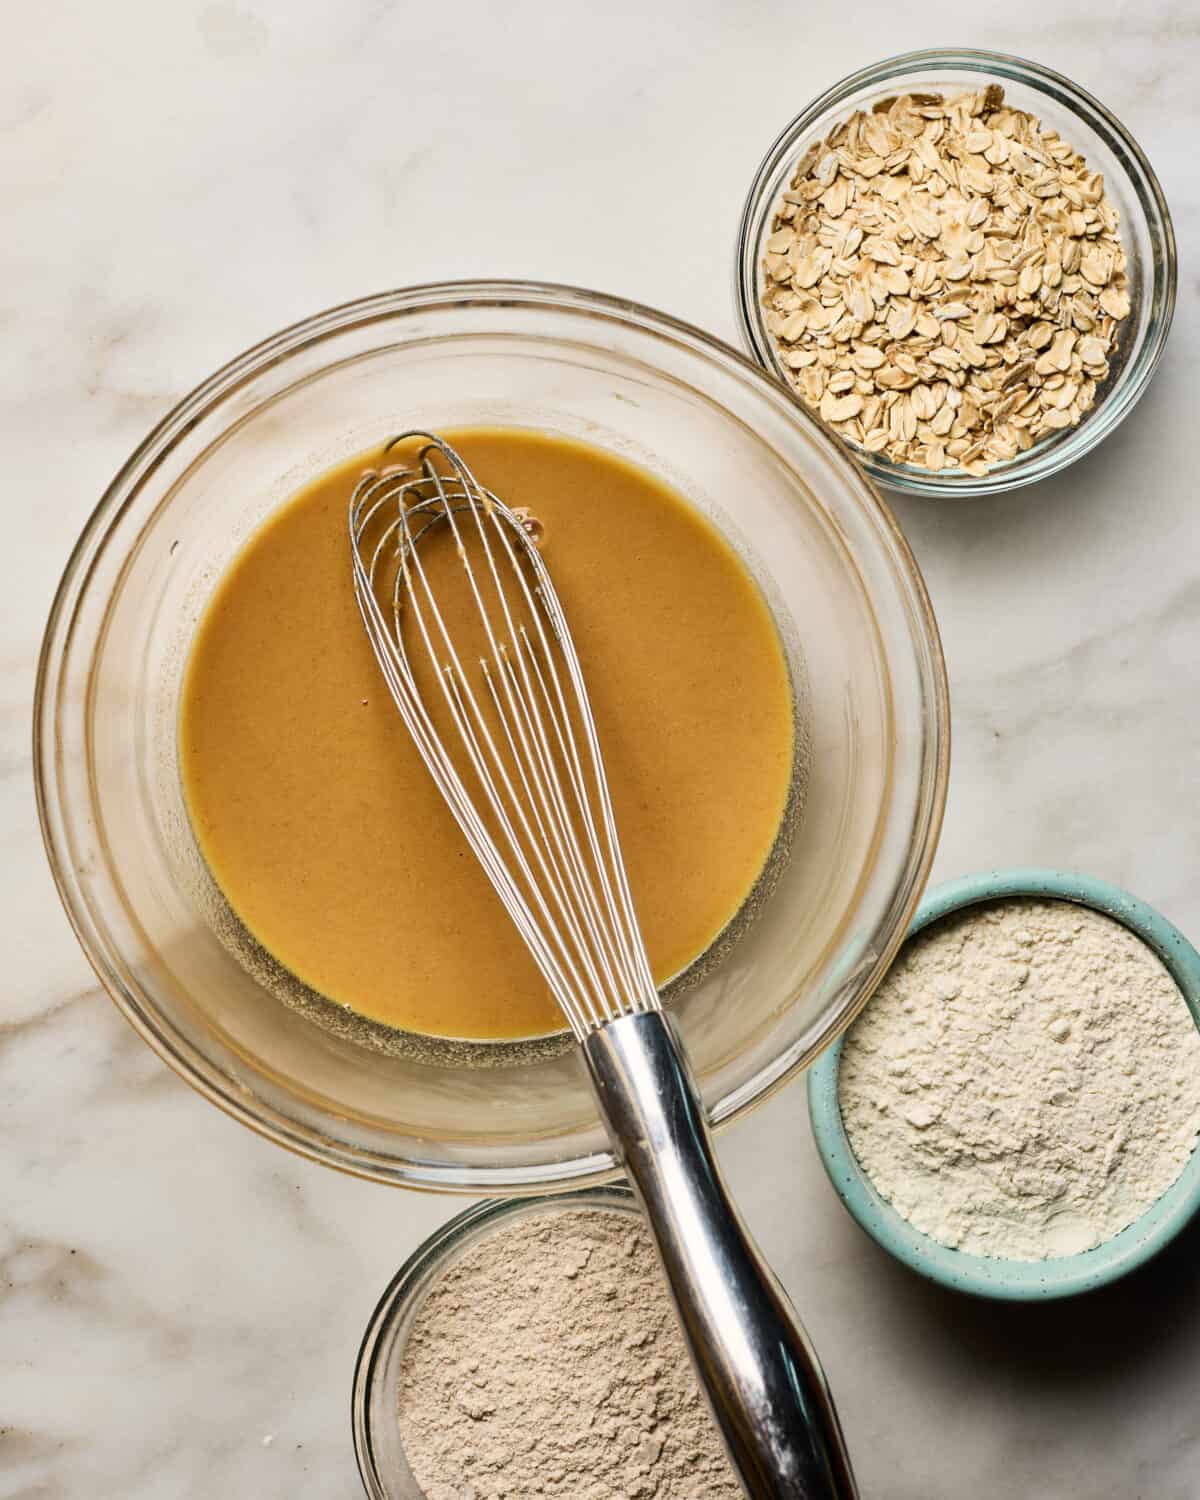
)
(323, 828)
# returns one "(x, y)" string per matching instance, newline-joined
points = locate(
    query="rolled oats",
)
(944, 280)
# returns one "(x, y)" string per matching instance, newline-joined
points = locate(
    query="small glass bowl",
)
(989, 1276)
(1083, 122)
(382, 1461)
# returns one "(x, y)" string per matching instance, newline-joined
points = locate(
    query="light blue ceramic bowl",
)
(983, 1276)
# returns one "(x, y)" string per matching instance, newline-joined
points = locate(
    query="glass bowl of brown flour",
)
(964, 264)
(529, 1347)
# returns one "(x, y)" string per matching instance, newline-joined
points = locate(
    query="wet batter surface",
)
(321, 825)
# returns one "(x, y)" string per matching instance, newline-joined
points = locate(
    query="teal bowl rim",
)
(985, 1276)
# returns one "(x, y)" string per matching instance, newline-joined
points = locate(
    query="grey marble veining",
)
(180, 1302)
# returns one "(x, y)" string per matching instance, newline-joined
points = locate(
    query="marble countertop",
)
(181, 1302)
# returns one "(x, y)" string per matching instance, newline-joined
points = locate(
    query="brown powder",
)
(547, 1362)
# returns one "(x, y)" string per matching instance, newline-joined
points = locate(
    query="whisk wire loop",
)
(544, 829)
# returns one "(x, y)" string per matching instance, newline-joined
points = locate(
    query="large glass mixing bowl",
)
(851, 608)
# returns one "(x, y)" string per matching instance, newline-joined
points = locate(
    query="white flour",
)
(1025, 1082)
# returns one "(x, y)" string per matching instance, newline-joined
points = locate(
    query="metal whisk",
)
(482, 667)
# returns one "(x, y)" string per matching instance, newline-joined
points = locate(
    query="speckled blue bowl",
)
(984, 1276)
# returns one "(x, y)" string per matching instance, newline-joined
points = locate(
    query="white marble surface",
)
(180, 1302)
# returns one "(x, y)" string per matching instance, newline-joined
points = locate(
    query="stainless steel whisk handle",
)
(755, 1362)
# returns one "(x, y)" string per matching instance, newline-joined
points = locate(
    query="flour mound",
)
(1026, 1081)
(547, 1362)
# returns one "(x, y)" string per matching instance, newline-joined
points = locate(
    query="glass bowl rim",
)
(433, 1253)
(989, 1276)
(209, 1079)
(1143, 356)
